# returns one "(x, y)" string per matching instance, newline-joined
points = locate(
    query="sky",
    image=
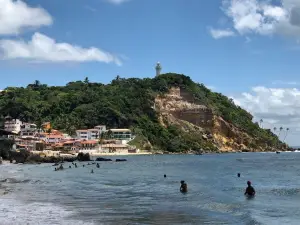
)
(246, 49)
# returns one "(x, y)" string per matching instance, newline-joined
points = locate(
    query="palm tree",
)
(280, 129)
(260, 123)
(37, 83)
(286, 133)
(274, 130)
(86, 80)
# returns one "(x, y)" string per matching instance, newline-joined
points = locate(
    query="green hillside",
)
(123, 103)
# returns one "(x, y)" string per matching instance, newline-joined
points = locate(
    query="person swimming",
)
(92, 171)
(239, 175)
(165, 176)
(183, 187)
(98, 166)
(250, 191)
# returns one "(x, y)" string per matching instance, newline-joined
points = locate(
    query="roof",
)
(54, 136)
(93, 129)
(114, 146)
(81, 130)
(120, 130)
(89, 142)
(69, 142)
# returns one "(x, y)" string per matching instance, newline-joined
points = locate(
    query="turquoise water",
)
(135, 192)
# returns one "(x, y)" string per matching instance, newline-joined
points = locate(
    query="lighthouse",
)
(158, 69)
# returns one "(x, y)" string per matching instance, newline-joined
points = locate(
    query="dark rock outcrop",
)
(83, 157)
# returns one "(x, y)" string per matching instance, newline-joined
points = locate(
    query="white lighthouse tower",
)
(158, 69)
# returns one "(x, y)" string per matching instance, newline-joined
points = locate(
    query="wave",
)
(19, 213)
(14, 180)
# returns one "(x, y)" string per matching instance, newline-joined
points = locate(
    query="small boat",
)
(277, 152)
(103, 159)
(121, 160)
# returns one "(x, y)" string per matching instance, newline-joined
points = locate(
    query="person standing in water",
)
(250, 191)
(183, 187)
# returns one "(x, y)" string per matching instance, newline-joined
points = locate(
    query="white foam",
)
(13, 212)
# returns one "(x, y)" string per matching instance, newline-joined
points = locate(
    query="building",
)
(12, 125)
(28, 129)
(52, 138)
(91, 134)
(82, 134)
(121, 134)
(101, 128)
(158, 69)
(114, 148)
(46, 126)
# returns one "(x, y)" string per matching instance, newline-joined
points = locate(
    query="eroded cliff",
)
(179, 108)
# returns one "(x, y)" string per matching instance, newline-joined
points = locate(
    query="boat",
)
(121, 160)
(103, 159)
(277, 152)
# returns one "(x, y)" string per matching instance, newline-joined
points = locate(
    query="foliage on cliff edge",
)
(123, 103)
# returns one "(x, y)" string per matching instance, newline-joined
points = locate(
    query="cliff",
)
(169, 112)
(178, 107)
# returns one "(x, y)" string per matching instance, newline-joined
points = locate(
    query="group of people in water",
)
(75, 165)
(249, 192)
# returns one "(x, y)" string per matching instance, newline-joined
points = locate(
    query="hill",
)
(169, 112)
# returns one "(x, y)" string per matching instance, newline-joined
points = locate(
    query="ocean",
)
(136, 192)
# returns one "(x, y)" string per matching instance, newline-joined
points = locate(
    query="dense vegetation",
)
(122, 103)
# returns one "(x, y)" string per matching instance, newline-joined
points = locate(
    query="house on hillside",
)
(12, 125)
(28, 130)
(121, 134)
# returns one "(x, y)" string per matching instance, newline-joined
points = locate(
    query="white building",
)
(121, 134)
(12, 125)
(91, 134)
(101, 128)
(158, 69)
(53, 138)
(82, 134)
(28, 129)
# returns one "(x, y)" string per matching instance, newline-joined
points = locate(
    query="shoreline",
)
(121, 154)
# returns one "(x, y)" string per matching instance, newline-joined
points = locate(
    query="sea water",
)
(136, 192)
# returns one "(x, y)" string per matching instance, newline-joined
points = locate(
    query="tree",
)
(260, 123)
(37, 83)
(286, 133)
(280, 129)
(86, 80)
(101, 139)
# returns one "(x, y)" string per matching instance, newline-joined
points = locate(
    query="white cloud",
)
(211, 87)
(15, 16)
(218, 33)
(90, 8)
(264, 17)
(117, 1)
(276, 106)
(42, 48)
(281, 82)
